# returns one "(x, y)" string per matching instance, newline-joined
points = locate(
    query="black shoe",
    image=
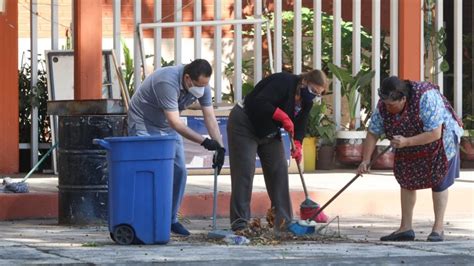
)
(179, 229)
(435, 237)
(401, 236)
(239, 227)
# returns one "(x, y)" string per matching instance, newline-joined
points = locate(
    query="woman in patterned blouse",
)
(424, 131)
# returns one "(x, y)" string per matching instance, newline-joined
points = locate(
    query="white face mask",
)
(198, 92)
(317, 99)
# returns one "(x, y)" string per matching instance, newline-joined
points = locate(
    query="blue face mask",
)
(306, 94)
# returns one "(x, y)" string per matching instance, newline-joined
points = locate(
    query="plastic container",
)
(140, 188)
(236, 240)
(309, 153)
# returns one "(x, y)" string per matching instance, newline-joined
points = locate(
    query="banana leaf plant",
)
(350, 85)
(315, 115)
(320, 124)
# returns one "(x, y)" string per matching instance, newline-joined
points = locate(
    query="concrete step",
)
(372, 194)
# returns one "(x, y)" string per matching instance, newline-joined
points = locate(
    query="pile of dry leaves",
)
(264, 233)
(271, 234)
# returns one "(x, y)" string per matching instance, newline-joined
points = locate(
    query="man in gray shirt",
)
(155, 110)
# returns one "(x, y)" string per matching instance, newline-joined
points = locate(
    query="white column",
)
(336, 53)
(178, 16)
(270, 48)
(137, 18)
(157, 35)
(439, 25)
(317, 35)
(217, 53)
(356, 12)
(257, 61)
(197, 29)
(278, 54)
(54, 46)
(34, 80)
(54, 25)
(71, 26)
(238, 52)
(458, 57)
(394, 37)
(375, 51)
(297, 37)
(116, 24)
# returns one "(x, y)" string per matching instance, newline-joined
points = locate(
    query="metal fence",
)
(275, 48)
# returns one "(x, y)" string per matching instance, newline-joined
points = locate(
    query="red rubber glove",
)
(282, 117)
(296, 152)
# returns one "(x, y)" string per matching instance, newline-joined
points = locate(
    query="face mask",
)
(317, 99)
(198, 92)
(306, 94)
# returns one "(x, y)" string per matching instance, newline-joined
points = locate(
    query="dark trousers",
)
(243, 148)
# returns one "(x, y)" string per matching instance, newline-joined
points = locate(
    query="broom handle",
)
(347, 185)
(299, 170)
(40, 162)
(302, 181)
(214, 202)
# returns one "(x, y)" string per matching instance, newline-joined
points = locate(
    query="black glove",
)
(211, 144)
(218, 159)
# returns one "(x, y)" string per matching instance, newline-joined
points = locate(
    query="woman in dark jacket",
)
(281, 100)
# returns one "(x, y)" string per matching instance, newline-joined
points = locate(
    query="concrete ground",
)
(368, 209)
(44, 242)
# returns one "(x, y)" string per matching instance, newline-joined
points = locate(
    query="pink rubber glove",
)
(286, 122)
(296, 152)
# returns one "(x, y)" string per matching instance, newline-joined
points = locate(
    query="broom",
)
(308, 207)
(307, 226)
(22, 186)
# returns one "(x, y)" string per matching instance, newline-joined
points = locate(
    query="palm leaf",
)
(341, 74)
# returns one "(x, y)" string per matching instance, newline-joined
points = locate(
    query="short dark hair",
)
(197, 68)
(394, 89)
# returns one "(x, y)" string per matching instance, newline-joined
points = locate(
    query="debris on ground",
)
(261, 233)
(91, 244)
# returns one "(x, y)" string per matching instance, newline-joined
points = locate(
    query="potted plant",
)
(327, 137)
(349, 142)
(467, 143)
(318, 146)
(385, 161)
(311, 136)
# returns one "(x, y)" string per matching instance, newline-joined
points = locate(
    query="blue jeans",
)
(179, 175)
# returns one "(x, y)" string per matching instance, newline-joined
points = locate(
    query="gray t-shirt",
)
(160, 91)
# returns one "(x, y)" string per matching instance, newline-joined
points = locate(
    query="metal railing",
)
(218, 74)
(276, 50)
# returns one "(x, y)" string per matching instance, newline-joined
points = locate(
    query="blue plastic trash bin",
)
(140, 188)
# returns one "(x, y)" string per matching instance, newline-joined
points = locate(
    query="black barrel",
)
(82, 167)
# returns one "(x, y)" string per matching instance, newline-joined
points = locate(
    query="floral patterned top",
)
(433, 113)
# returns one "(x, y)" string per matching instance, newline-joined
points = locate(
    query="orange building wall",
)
(9, 152)
(44, 18)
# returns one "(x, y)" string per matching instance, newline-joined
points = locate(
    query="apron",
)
(422, 166)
